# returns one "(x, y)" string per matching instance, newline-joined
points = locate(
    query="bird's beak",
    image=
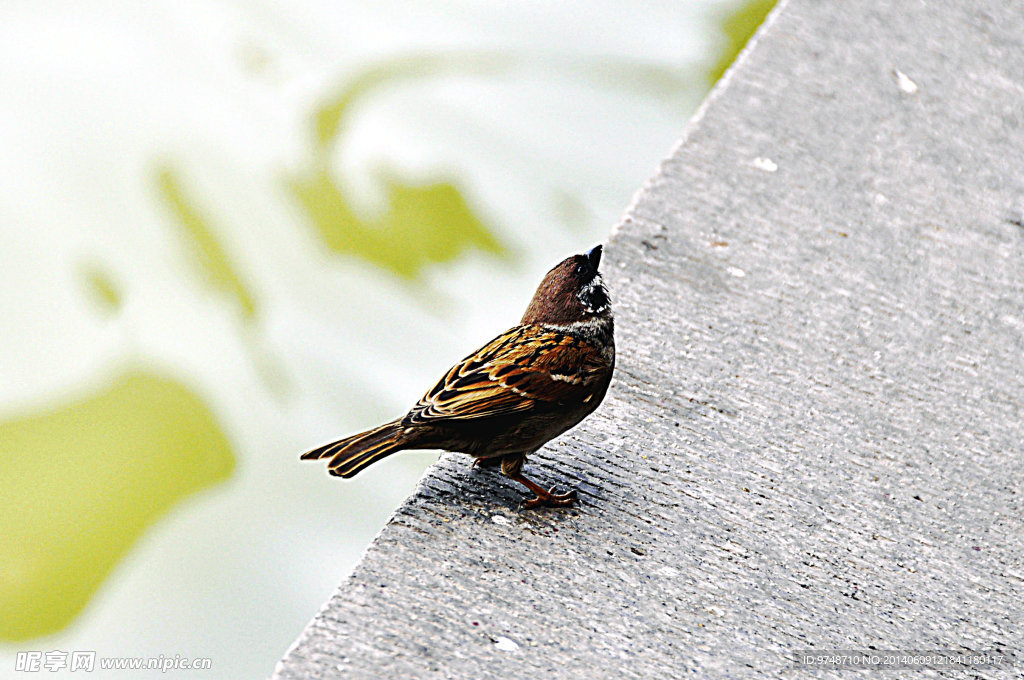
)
(594, 256)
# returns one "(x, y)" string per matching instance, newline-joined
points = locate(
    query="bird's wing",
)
(524, 368)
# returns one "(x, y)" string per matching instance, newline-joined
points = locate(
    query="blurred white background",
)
(545, 117)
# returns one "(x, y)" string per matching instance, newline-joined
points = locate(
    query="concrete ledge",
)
(814, 440)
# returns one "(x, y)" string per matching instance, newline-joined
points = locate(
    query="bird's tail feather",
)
(350, 455)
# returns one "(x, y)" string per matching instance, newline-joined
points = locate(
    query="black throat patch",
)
(594, 296)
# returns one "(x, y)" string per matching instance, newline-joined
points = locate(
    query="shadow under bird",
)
(510, 397)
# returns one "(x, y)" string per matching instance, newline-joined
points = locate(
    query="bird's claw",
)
(551, 499)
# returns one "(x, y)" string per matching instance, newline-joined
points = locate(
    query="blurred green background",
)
(231, 231)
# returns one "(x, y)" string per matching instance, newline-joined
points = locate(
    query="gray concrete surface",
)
(814, 440)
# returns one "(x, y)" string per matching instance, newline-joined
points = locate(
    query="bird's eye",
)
(579, 269)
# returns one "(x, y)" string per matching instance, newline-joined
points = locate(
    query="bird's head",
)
(571, 292)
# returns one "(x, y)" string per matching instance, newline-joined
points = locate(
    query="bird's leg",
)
(545, 498)
(512, 466)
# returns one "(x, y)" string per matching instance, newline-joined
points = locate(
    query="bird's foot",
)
(486, 463)
(545, 497)
(550, 499)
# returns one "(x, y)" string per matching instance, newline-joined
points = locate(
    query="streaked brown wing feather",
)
(525, 367)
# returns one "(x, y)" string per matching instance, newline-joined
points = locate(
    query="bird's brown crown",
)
(571, 292)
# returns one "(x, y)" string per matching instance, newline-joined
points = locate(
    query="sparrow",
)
(513, 395)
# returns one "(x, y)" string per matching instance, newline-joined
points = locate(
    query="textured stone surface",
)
(814, 439)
